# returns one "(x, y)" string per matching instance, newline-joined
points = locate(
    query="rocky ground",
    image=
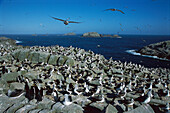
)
(55, 79)
(161, 50)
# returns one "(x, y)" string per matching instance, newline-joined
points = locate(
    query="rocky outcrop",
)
(42, 57)
(69, 34)
(91, 34)
(7, 41)
(95, 34)
(161, 50)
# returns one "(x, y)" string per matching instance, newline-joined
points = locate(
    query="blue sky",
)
(33, 16)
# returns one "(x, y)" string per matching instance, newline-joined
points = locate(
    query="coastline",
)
(134, 52)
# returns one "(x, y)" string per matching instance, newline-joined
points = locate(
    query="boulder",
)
(23, 54)
(62, 60)
(91, 34)
(35, 57)
(43, 57)
(53, 60)
(70, 62)
(17, 86)
(10, 77)
(111, 109)
(99, 105)
(145, 108)
(72, 108)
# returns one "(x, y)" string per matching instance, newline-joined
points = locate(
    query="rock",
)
(25, 109)
(98, 105)
(45, 104)
(10, 77)
(35, 111)
(91, 34)
(23, 54)
(35, 57)
(70, 62)
(53, 60)
(31, 75)
(111, 109)
(161, 49)
(6, 103)
(17, 106)
(43, 57)
(7, 41)
(17, 86)
(145, 108)
(111, 36)
(58, 107)
(62, 60)
(68, 34)
(73, 108)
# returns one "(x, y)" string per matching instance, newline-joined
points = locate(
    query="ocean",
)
(117, 48)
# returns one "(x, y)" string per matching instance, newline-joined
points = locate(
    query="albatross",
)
(66, 22)
(115, 10)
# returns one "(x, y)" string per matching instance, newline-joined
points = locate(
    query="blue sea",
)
(117, 48)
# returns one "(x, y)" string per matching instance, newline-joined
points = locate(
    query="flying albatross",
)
(66, 22)
(115, 10)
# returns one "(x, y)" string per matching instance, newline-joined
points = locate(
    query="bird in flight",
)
(66, 22)
(115, 10)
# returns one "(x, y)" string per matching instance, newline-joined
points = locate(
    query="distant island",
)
(95, 34)
(68, 34)
(161, 50)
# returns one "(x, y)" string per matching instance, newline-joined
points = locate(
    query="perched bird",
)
(66, 22)
(115, 10)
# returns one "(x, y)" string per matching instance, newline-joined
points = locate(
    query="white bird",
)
(66, 100)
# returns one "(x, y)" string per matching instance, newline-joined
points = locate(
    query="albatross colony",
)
(67, 79)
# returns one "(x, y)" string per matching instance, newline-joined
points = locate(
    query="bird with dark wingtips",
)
(115, 10)
(66, 22)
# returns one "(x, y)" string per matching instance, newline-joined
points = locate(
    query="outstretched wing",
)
(120, 11)
(57, 19)
(109, 9)
(73, 22)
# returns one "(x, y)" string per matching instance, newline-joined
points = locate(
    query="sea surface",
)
(117, 48)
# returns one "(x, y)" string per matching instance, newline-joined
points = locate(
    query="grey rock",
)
(45, 111)
(17, 106)
(45, 104)
(35, 57)
(15, 54)
(23, 54)
(17, 86)
(98, 105)
(111, 109)
(35, 111)
(10, 77)
(62, 60)
(145, 108)
(25, 109)
(43, 57)
(58, 107)
(70, 62)
(73, 108)
(53, 60)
